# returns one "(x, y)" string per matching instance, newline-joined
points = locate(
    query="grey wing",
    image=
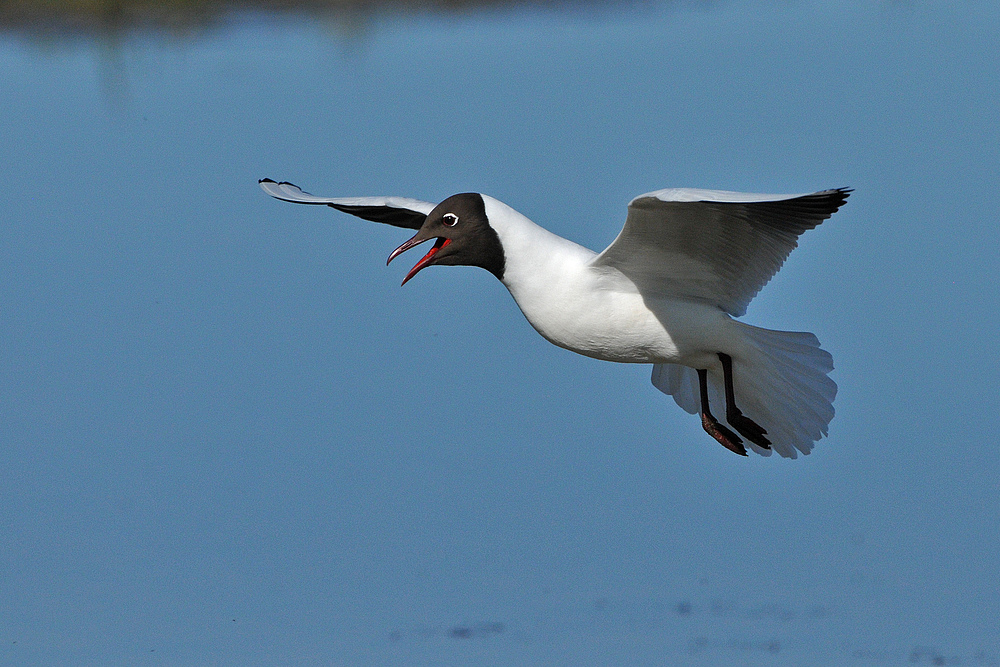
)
(720, 247)
(395, 211)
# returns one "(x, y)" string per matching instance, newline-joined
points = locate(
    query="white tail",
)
(781, 383)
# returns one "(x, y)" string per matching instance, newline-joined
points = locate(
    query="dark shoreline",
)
(41, 19)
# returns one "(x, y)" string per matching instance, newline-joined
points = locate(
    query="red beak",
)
(427, 259)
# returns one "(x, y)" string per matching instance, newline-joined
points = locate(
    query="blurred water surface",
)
(228, 436)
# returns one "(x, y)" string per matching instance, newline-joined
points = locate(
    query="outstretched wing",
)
(395, 211)
(721, 247)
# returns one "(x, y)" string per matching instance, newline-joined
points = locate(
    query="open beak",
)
(428, 259)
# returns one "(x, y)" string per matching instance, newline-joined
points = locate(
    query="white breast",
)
(594, 311)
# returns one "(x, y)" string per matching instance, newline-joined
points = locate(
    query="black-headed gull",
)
(664, 293)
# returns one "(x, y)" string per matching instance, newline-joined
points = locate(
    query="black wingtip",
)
(843, 193)
(271, 180)
(824, 203)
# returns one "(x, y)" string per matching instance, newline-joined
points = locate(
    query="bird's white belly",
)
(618, 329)
(598, 312)
(624, 327)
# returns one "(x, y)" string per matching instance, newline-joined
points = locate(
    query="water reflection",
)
(113, 32)
(110, 19)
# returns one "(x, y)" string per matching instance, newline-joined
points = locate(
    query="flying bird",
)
(665, 293)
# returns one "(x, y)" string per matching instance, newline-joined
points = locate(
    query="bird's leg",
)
(746, 427)
(727, 438)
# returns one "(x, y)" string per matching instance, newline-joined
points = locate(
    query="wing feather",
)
(717, 246)
(395, 211)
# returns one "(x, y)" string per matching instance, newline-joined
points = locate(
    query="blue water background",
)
(227, 435)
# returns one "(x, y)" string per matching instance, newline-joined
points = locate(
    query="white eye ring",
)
(449, 219)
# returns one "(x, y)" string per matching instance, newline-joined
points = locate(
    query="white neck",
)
(549, 277)
(533, 256)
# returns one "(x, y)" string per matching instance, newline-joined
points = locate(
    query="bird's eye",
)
(449, 219)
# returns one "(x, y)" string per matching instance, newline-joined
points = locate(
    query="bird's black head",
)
(463, 237)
